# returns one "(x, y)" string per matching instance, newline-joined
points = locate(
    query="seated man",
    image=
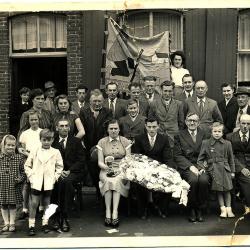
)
(73, 155)
(241, 149)
(186, 151)
(155, 146)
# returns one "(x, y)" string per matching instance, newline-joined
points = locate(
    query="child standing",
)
(11, 176)
(216, 157)
(43, 168)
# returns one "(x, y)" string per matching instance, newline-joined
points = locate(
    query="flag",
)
(123, 51)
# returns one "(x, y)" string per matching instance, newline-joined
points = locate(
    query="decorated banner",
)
(131, 58)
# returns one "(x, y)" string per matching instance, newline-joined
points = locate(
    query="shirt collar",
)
(65, 139)
(241, 134)
(199, 99)
(133, 118)
(80, 103)
(244, 109)
(113, 101)
(187, 93)
(149, 137)
(191, 131)
(113, 139)
(213, 141)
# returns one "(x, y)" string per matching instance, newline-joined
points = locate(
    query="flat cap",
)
(49, 85)
(242, 91)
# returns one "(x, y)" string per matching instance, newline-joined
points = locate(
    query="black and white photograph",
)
(124, 124)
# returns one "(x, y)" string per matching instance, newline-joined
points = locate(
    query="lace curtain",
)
(244, 44)
(52, 33)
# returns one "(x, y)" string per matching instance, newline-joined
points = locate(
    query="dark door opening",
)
(33, 73)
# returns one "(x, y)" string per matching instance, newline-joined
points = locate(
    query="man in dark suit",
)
(206, 108)
(228, 107)
(80, 102)
(94, 118)
(188, 85)
(242, 95)
(186, 151)
(155, 146)
(135, 91)
(241, 148)
(115, 104)
(74, 158)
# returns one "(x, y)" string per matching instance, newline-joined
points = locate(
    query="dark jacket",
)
(186, 152)
(120, 107)
(229, 113)
(94, 128)
(74, 155)
(160, 152)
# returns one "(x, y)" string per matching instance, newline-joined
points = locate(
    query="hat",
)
(242, 91)
(49, 85)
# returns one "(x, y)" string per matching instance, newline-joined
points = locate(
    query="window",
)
(142, 23)
(38, 34)
(244, 48)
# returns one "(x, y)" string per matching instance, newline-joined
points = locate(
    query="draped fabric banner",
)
(123, 51)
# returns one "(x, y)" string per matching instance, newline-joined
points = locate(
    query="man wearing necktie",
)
(167, 110)
(241, 149)
(157, 147)
(80, 102)
(242, 94)
(206, 108)
(150, 89)
(115, 104)
(188, 85)
(74, 159)
(186, 151)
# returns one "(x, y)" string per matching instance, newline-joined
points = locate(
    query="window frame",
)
(151, 21)
(38, 53)
(241, 51)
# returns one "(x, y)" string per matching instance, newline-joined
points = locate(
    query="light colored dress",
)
(117, 150)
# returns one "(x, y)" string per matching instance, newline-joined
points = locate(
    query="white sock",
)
(5, 215)
(12, 216)
(32, 222)
(45, 221)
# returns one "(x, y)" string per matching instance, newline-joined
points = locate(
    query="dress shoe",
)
(192, 217)
(199, 216)
(56, 224)
(65, 225)
(32, 231)
(107, 222)
(115, 222)
(5, 228)
(12, 228)
(144, 215)
(45, 229)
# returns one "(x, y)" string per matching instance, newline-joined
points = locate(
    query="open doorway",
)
(33, 73)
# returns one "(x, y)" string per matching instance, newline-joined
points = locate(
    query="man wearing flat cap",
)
(80, 102)
(50, 92)
(242, 94)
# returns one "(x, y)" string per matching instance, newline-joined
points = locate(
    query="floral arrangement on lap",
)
(154, 176)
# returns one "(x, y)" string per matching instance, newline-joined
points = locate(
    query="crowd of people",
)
(58, 142)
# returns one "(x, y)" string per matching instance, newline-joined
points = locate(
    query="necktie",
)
(240, 112)
(189, 95)
(193, 136)
(244, 138)
(151, 141)
(201, 106)
(112, 107)
(167, 105)
(62, 144)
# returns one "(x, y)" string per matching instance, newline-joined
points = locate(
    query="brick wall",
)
(4, 74)
(74, 51)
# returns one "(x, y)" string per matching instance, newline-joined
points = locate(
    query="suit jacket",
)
(182, 97)
(229, 113)
(186, 152)
(241, 151)
(76, 108)
(73, 155)
(157, 96)
(160, 152)
(94, 127)
(143, 107)
(209, 115)
(170, 119)
(120, 107)
(130, 129)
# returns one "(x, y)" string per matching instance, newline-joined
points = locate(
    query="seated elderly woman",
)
(111, 150)
(63, 111)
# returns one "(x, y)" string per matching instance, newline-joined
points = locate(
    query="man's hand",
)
(245, 172)
(194, 170)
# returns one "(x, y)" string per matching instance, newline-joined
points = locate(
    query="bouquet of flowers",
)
(154, 176)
